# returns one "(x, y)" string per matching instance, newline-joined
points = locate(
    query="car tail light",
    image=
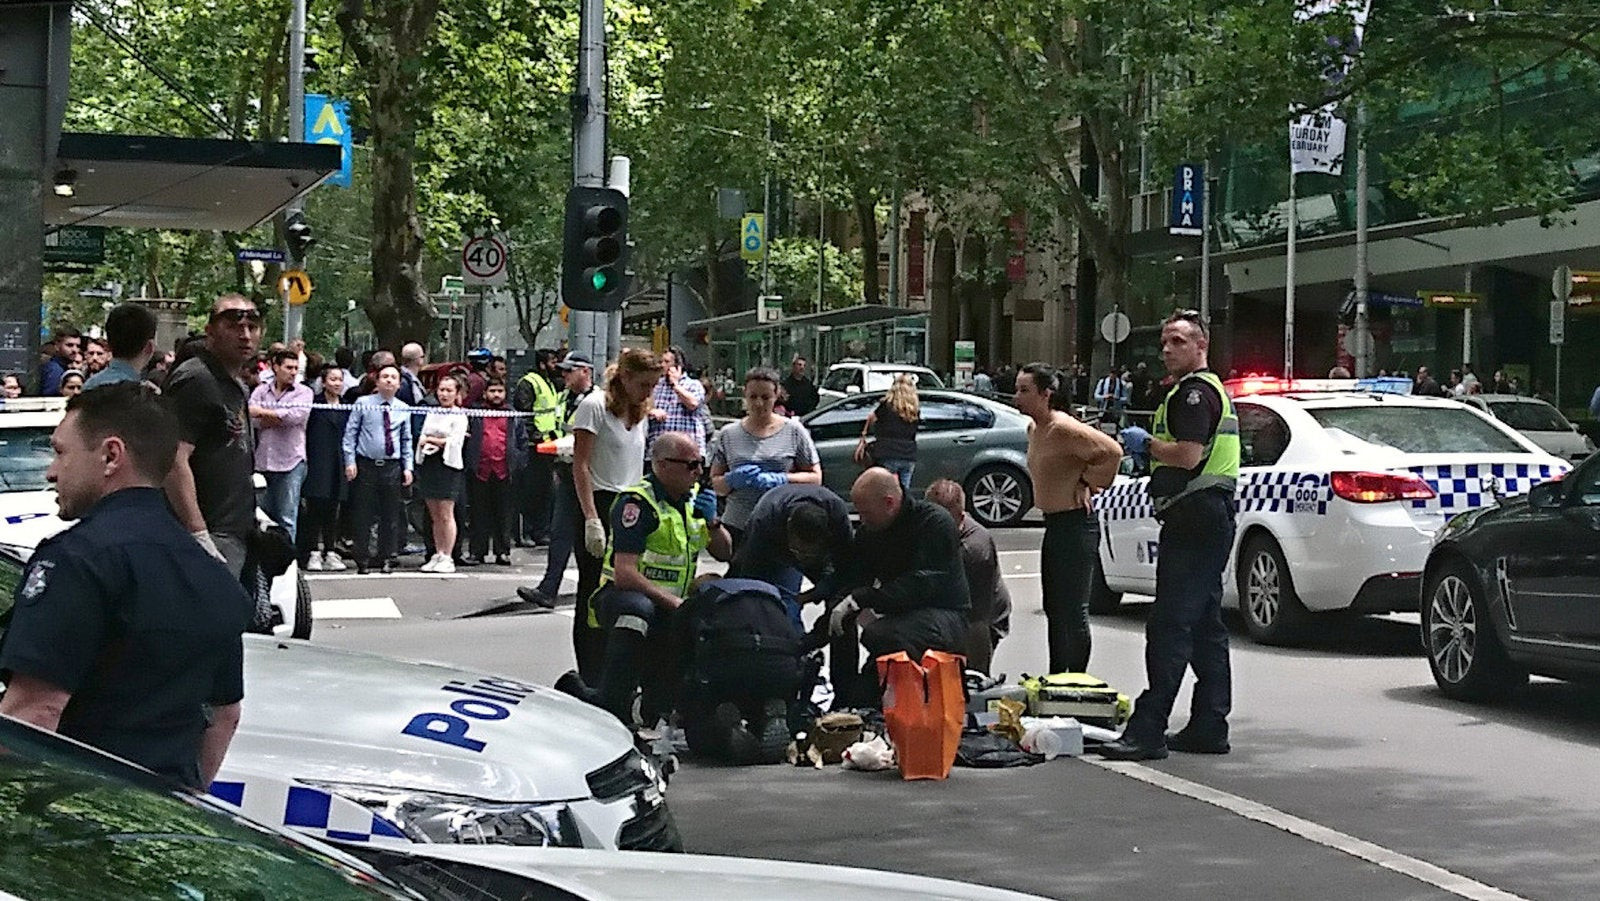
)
(1377, 487)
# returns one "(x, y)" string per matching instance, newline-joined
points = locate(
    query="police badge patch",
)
(630, 515)
(1193, 397)
(38, 577)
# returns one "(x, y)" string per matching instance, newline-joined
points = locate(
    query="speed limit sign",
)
(483, 261)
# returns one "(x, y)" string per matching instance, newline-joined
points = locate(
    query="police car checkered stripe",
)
(1258, 492)
(1465, 486)
(307, 810)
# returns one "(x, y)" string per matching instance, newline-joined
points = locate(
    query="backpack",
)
(743, 642)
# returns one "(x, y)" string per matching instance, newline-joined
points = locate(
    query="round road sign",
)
(1116, 327)
(483, 258)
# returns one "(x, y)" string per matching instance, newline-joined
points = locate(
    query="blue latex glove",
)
(743, 476)
(767, 481)
(705, 505)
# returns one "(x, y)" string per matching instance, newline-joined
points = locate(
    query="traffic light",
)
(594, 249)
(298, 231)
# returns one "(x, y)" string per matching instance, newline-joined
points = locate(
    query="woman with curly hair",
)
(608, 439)
(893, 426)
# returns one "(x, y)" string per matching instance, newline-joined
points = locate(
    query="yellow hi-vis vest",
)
(671, 552)
(546, 408)
(1220, 468)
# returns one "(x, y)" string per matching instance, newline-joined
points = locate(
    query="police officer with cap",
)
(658, 529)
(1194, 450)
(125, 633)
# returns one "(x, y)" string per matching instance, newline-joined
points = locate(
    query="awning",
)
(141, 181)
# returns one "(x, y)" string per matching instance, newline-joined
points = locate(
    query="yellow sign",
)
(753, 237)
(295, 284)
(1450, 300)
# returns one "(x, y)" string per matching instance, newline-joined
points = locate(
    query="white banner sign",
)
(1316, 143)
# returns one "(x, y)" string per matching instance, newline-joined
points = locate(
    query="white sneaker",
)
(332, 562)
(431, 566)
(314, 563)
(446, 565)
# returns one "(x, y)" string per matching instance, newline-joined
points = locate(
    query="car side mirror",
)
(1545, 496)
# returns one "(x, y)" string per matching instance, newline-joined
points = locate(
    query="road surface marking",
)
(355, 608)
(1420, 870)
(409, 574)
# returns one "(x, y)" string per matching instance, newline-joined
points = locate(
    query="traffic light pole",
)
(294, 316)
(590, 332)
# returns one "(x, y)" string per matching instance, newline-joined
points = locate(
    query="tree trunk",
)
(713, 283)
(398, 308)
(867, 219)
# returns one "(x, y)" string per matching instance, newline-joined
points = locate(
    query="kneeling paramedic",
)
(658, 529)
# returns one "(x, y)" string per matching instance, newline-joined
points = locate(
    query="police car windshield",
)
(1529, 416)
(25, 454)
(1418, 430)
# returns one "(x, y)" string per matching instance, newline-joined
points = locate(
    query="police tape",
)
(409, 410)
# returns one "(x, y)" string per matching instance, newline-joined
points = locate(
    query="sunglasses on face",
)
(694, 465)
(236, 316)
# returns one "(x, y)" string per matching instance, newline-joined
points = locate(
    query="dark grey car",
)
(980, 443)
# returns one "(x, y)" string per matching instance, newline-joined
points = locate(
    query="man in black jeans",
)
(377, 459)
(905, 568)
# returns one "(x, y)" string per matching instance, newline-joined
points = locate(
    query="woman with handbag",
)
(759, 452)
(893, 426)
(440, 470)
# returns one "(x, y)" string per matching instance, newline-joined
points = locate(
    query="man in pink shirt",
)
(280, 407)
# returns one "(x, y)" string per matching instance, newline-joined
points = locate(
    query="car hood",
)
(318, 713)
(630, 875)
(28, 518)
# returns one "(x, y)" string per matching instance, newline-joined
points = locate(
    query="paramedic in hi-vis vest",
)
(1194, 451)
(658, 529)
(536, 393)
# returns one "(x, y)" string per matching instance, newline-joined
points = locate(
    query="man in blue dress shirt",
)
(377, 459)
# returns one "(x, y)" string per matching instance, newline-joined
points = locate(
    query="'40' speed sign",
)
(483, 261)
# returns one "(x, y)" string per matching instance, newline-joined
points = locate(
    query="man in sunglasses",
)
(210, 486)
(658, 529)
(1194, 452)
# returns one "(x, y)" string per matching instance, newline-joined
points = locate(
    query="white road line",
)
(414, 575)
(355, 608)
(1420, 870)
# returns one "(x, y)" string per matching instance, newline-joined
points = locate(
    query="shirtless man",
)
(1069, 463)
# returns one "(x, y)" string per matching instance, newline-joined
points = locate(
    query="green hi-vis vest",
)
(546, 408)
(1220, 468)
(671, 552)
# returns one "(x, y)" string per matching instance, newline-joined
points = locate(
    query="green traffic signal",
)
(599, 280)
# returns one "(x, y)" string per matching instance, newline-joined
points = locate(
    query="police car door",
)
(1270, 493)
(1129, 535)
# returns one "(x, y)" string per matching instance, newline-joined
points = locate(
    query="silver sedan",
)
(980, 443)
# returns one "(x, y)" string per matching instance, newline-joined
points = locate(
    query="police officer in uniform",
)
(658, 529)
(125, 633)
(566, 520)
(1194, 449)
(536, 393)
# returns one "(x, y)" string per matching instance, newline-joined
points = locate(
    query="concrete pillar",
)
(34, 48)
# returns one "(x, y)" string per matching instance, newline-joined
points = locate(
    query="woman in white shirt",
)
(608, 440)
(440, 471)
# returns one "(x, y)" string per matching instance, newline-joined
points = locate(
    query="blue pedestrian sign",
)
(328, 122)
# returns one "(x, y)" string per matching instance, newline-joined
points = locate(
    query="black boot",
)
(571, 683)
(619, 678)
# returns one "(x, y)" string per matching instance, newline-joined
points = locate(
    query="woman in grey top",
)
(759, 452)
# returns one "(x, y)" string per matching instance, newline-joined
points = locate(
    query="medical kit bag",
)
(1080, 696)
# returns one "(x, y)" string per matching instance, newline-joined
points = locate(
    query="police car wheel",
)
(1464, 652)
(302, 607)
(1272, 610)
(999, 495)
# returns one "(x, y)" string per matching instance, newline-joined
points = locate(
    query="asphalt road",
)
(1351, 777)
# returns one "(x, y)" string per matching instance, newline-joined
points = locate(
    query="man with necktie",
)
(377, 459)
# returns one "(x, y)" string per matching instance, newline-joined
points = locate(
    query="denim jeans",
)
(1071, 541)
(1185, 627)
(282, 500)
(901, 468)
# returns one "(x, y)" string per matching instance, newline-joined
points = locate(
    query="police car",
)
(362, 748)
(1340, 494)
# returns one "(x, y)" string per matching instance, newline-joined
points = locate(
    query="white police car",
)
(1340, 494)
(362, 748)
